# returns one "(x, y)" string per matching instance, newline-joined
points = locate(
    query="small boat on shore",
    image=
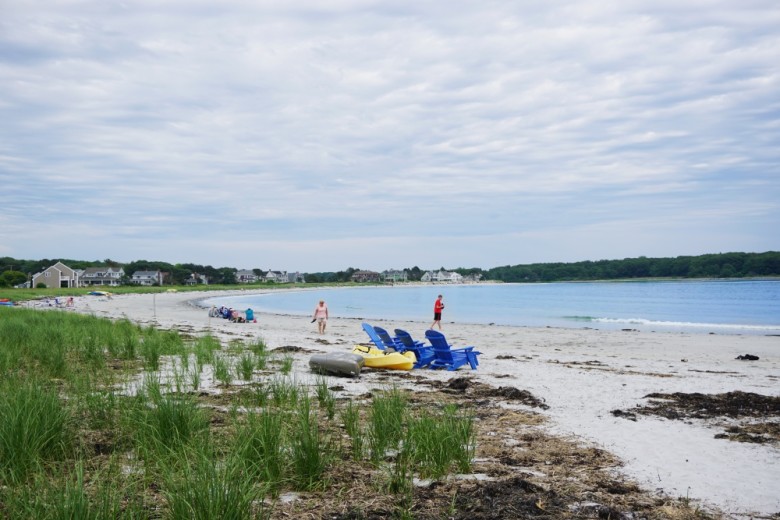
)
(337, 363)
(390, 360)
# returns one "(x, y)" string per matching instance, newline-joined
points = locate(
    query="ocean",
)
(700, 306)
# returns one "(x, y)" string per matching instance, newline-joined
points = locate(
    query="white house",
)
(111, 276)
(147, 278)
(276, 276)
(442, 277)
(246, 276)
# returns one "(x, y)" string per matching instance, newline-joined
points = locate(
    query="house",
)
(295, 277)
(276, 277)
(394, 275)
(450, 277)
(246, 276)
(57, 276)
(442, 277)
(147, 278)
(197, 279)
(101, 276)
(365, 276)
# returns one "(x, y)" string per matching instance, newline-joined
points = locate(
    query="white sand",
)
(680, 458)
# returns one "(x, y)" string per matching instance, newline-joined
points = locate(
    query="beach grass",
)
(246, 366)
(206, 490)
(163, 424)
(350, 416)
(35, 427)
(223, 370)
(310, 448)
(259, 445)
(325, 397)
(387, 418)
(437, 443)
(286, 364)
(63, 402)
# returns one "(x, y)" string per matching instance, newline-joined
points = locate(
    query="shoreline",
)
(599, 321)
(581, 374)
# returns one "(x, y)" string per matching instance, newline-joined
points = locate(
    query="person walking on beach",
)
(321, 316)
(438, 306)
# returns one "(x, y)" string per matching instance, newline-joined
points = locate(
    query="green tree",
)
(13, 278)
(227, 275)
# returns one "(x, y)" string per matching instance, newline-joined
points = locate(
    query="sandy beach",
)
(582, 375)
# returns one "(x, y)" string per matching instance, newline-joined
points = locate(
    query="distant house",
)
(147, 278)
(197, 279)
(441, 277)
(111, 276)
(450, 277)
(394, 275)
(276, 277)
(365, 276)
(246, 276)
(295, 278)
(57, 276)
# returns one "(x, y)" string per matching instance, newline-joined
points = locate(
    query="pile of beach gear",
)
(399, 352)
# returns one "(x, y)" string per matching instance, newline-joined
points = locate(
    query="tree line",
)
(721, 265)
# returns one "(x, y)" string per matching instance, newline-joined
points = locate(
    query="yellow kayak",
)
(375, 358)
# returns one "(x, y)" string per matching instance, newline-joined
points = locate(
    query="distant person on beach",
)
(321, 316)
(250, 315)
(438, 306)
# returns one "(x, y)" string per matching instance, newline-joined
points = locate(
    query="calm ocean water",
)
(724, 307)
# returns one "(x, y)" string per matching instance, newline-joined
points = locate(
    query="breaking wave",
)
(674, 324)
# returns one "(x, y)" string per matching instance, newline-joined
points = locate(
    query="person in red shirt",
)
(438, 306)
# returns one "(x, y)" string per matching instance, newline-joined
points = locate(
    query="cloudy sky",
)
(320, 135)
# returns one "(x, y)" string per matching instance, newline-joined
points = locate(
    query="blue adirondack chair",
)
(388, 340)
(423, 352)
(447, 357)
(375, 339)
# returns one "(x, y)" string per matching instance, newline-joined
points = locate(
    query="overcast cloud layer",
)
(316, 136)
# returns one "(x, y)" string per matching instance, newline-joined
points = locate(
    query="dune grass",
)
(206, 490)
(35, 427)
(386, 422)
(259, 445)
(102, 419)
(164, 424)
(310, 451)
(438, 443)
(350, 416)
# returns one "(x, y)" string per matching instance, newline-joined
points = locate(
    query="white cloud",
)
(290, 131)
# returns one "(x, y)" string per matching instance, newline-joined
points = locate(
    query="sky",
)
(315, 136)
